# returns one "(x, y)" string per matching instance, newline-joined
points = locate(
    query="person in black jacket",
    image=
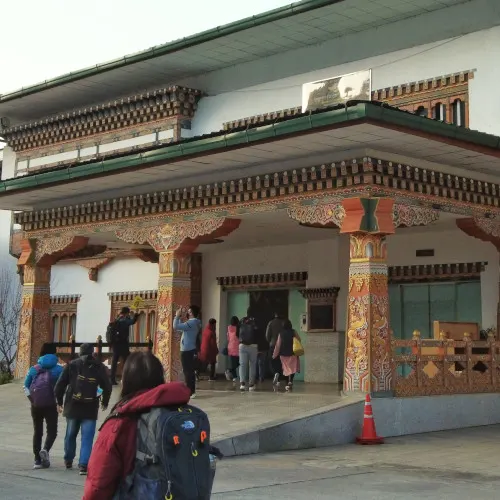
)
(80, 385)
(121, 341)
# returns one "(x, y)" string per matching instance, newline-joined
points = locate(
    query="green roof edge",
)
(361, 111)
(174, 46)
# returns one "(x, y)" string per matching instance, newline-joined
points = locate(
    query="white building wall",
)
(94, 307)
(327, 263)
(390, 69)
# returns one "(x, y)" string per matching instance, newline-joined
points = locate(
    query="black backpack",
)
(112, 333)
(247, 331)
(172, 457)
(86, 383)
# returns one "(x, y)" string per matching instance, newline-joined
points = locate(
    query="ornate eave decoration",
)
(112, 116)
(429, 89)
(129, 296)
(436, 272)
(409, 215)
(64, 303)
(322, 215)
(402, 94)
(282, 190)
(320, 293)
(274, 280)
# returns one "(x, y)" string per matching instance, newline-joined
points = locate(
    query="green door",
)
(297, 307)
(469, 303)
(415, 311)
(395, 313)
(237, 305)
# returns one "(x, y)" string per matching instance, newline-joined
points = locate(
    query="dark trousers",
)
(275, 363)
(119, 351)
(50, 415)
(188, 361)
(234, 363)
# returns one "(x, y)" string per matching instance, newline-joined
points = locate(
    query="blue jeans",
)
(73, 426)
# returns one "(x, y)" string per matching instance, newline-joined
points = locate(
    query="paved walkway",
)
(230, 411)
(457, 465)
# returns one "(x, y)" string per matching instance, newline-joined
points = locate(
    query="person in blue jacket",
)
(47, 361)
(190, 329)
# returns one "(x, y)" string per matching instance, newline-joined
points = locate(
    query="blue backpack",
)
(42, 389)
(172, 457)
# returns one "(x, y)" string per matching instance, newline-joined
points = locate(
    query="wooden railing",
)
(66, 351)
(432, 367)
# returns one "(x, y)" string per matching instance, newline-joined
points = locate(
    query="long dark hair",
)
(142, 371)
(287, 325)
(234, 321)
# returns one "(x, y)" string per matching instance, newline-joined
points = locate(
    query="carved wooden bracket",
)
(481, 228)
(45, 252)
(93, 265)
(333, 214)
(184, 236)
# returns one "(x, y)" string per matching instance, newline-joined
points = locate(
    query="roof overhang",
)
(298, 25)
(303, 141)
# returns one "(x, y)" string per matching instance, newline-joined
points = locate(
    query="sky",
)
(45, 39)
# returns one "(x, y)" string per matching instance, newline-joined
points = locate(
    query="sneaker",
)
(229, 377)
(83, 470)
(289, 387)
(251, 388)
(44, 459)
(193, 396)
(235, 379)
(37, 464)
(68, 465)
(242, 387)
(276, 379)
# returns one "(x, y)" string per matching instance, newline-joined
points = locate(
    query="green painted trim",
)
(302, 124)
(175, 46)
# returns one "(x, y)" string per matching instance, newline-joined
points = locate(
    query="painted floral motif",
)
(367, 364)
(409, 215)
(318, 214)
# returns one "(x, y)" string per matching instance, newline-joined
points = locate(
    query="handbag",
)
(298, 349)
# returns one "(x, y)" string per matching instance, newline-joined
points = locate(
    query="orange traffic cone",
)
(369, 434)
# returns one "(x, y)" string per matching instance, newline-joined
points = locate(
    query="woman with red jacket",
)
(209, 350)
(113, 455)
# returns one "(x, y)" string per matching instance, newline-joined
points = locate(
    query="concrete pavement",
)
(456, 465)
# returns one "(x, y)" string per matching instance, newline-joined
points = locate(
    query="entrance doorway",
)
(265, 303)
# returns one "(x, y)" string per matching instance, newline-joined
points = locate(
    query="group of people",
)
(248, 350)
(113, 465)
(78, 389)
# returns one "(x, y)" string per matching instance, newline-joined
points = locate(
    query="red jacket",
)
(209, 350)
(113, 454)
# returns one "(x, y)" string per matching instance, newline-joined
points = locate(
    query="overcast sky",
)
(47, 38)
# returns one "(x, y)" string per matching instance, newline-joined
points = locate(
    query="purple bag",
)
(41, 389)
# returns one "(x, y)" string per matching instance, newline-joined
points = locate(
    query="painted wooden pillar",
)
(35, 262)
(368, 366)
(175, 244)
(174, 291)
(34, 328)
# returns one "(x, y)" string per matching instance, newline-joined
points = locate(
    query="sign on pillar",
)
(368, 366)
(174, 291)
